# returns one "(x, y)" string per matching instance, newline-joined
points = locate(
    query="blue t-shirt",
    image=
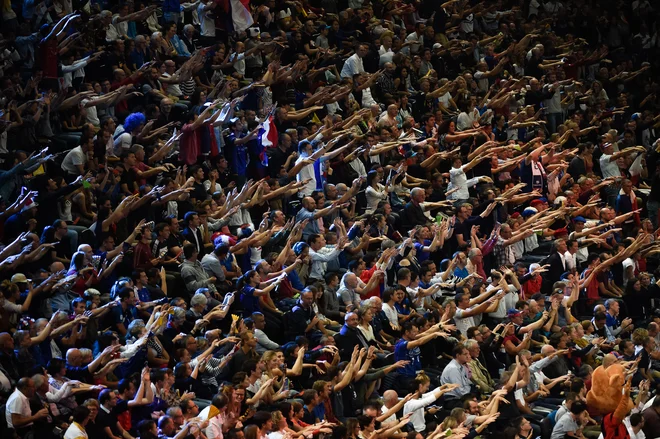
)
(124, 317)
(612, 322)
(422, 255)
(401, 352)
(312, 226)
(295, 280)
(461, 272)
(143, 295)
(237, 155)
(319, 412)
(249, 301)
(401, 308)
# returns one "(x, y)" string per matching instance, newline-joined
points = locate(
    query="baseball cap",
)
(19, 278)
(536, 202)
(513, 313)
(579, 219)
(529, 212)
(29, 204)
(562, 231)
(437, 46)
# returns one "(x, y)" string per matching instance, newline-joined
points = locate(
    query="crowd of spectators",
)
(346, 219)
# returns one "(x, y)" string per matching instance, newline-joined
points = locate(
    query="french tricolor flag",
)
(268, 136)
(240, 14)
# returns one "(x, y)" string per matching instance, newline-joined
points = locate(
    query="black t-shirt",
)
(113, 61)
(94, 430)
(309, 417)
(129, 178)
(417, 171)
(645, 361)
(199, 192)
(105, 419)
(276, 160)
(62, 247)
(224, 178)
(460, 228)
(299, 319)
(509, 411)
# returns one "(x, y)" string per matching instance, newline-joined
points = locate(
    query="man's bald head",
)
(547, 350)
(609, 360)
(390, 398)
(74, 357)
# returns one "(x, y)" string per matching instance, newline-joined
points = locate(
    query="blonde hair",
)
(86, 353)
(91, 402)
(421, 378)
(268, 356)
(276, 417)
(449, 422)
(639, 335)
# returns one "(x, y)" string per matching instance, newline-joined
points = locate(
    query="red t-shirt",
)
(48, 56)
(365, 276)
(532, 287)
(592, 290)
(189, 145)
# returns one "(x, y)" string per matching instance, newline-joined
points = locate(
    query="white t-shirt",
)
(457, 178)
(111, 34)
(609, 168)
(217, 188)
(500, 312)
(121, 26)
(444, 99)
(571, 260)
(206, 22)
(123, 143)
(466, 120)
(17, 404)
(391, 314)
(92, 115)
(463, 323)
(5, 384)
(374, 197)
(239, 65)
(482, 80)
(305, 173)
(74, 158)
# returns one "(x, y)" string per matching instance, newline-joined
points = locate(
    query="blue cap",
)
(513, 313)
(543, 200)
(529, 212)
(579, 219)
